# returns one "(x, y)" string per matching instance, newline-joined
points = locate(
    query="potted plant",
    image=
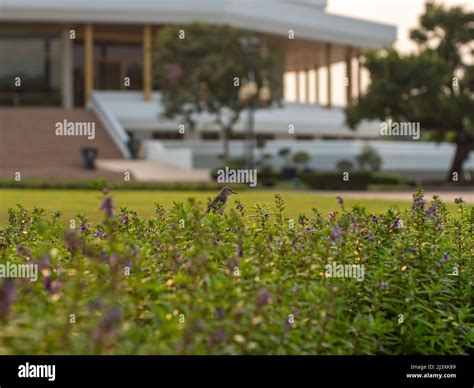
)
(288, 172)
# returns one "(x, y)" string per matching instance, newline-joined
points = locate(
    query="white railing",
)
(111, 124)
(154, 149)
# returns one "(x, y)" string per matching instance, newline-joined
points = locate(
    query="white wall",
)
(397, 156)
(178, 157)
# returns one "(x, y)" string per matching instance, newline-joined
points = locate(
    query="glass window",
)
(29, 71)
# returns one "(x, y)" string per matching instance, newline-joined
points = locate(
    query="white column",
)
(307, 86)
(359, 74)
(329, 75)
(316, 85)
(297, 85)
(67, 84)
(349, 75)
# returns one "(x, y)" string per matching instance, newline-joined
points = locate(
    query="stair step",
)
(29, 144)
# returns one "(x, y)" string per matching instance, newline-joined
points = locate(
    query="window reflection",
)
(29, 71)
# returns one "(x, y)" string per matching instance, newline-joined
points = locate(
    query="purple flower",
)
(108, 207)
(444, 260)
(308, 230)
(336, 234)
(200, 325)
(109, 321)
(94, 305)
(44, 261)
(431, 212)
(71, 240)
(177, 259)
(353, 220)
(98, 234)
(51, 286)
(219, 313)
(7, 297)
(124, 219)
(340, 201)
(383, 285)
(263, 297)
(374, 218)
(113, 260)
(418, 201)
(396, 224)
(240, 251)
(412, 249)
(217, 337)
(83, 228)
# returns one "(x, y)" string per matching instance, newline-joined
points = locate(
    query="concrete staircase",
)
(28, 144)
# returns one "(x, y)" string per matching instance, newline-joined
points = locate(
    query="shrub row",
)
(249, 282)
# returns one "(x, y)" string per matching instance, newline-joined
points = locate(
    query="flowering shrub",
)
(248, 282)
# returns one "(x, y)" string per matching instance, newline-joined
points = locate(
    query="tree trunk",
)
(463, 146)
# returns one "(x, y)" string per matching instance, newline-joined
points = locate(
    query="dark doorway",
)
(116, 67)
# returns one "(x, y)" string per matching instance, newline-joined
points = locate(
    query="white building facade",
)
(76, 54)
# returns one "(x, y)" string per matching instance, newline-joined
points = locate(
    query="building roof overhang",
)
(308, 21)
(134, 114)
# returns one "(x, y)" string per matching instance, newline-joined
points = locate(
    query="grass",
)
(71, 202)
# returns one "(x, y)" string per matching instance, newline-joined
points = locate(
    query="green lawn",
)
(70, 202)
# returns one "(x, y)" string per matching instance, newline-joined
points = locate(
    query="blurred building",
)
(71, 58)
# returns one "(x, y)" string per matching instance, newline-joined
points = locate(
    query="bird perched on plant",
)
(218, 203)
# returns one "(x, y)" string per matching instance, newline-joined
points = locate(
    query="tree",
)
(369, 159)
(202, 68)
(434, 86)
(301, 158)
(284, 153)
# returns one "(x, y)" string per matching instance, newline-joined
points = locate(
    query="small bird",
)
(218, 203)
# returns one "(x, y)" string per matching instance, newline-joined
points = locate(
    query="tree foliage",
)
(201, 68)
(433, 86)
